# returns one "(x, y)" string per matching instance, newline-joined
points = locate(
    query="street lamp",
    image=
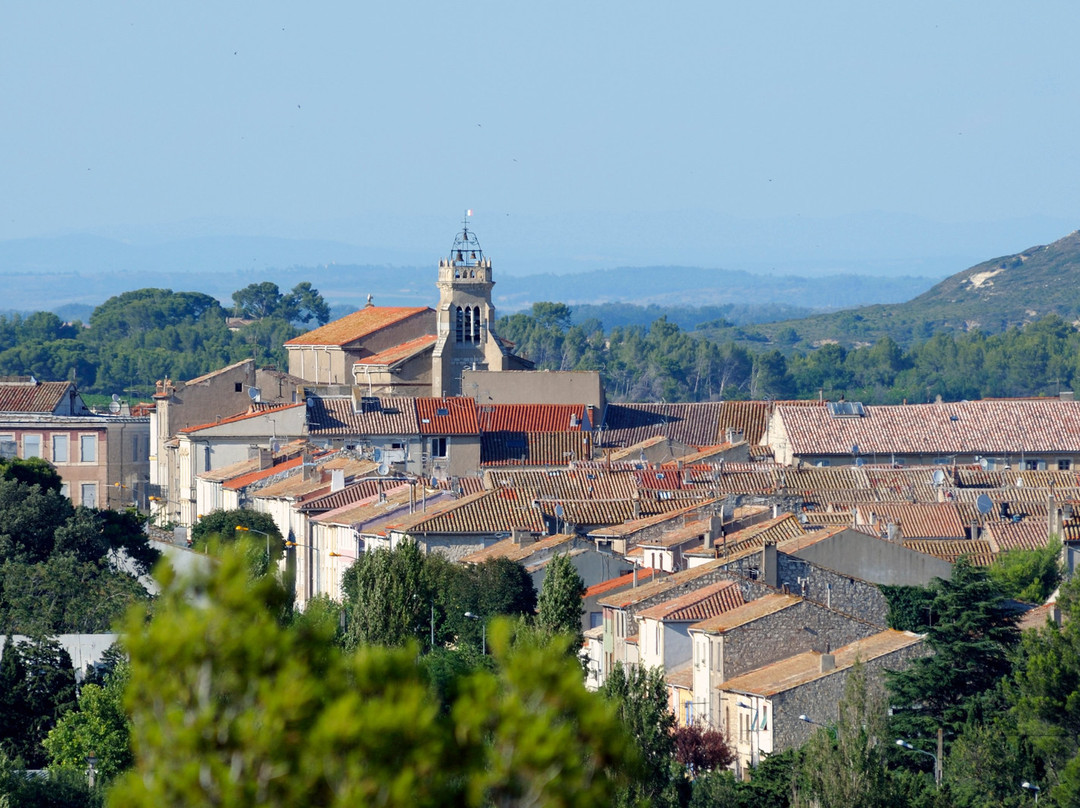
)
(1031, 787)
(754, 753)
(332, 554)
(809, 720)
(937, 762)
(243, 529)
(483, 629)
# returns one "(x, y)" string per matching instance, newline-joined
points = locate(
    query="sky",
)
(887, 138)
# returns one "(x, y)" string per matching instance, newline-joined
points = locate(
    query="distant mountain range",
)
(992, 296)
(73, 274)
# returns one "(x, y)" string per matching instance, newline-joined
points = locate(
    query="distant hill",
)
(992, 297)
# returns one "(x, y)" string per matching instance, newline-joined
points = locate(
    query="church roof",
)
(399, 353)
(357, 325)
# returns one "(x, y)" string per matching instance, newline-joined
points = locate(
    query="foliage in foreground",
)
(230, 707)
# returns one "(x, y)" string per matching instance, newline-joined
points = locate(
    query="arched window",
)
(476, 324)
(460, 324)
(468, 323)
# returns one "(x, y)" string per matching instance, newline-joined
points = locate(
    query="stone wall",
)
(820, 698)
(805, 626)
(843, 593)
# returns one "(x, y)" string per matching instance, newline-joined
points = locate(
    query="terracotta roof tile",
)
(643, 575)
(916, 521)
(533, 417)
(984, 427)
(447, 416)
(532, 448)
(337, 417)
(399, 353)
(693, 424)
(509, 549)
(485, 512)
(352, 493)
(40, 397)
(357, 325)
(625, 598)
(242, 417)
(1026, 535)
(979, 551)
(287, 452)
(295, 486)
(701, 604)
(747, 613)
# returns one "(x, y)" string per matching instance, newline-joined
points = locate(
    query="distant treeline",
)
(688, 318)
(664, 362)
(135, 338)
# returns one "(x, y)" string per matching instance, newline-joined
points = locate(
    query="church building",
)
(403, 351)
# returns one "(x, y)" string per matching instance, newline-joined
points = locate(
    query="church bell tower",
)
(465, 317)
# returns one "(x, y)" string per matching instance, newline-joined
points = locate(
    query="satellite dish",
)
(559, 511)
(1019, 482)
(115, 397)
(855, 449)
(255, 394)
(939, 477)
(114, 406)
(984, 463)
(383, 469)
(804, 519)
(984, 504)
(860, 461)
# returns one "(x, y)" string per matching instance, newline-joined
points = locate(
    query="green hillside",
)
(991, 297)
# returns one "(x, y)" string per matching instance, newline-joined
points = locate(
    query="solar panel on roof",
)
(846, 409)
(442, 411)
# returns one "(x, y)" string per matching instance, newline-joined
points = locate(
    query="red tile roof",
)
(532, 417)
(245, 480)
(399, 353)
(357, 325)
(242, 417)
(532, 448)
(508, 548)
(643, 575)
(1029, 534)
(43, 397)
(692, 424)
(701, 604)
(447, 416)
(937, 520)
(338, 417)
(1007, 427)
(979, 551)
(486, 512)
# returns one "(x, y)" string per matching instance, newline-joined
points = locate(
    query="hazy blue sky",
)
(890, 136)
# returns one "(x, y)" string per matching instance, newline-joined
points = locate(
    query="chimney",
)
(893, 532)
(635, 575)
(307, 463)
(519, 535)
(828, 663)
(266, 459)
(715, 531)
(337, 480)
(769, 572)
(637, 506)
(1053, 516)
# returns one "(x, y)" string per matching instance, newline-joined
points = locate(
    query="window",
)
(238, 387)
(88, 448)
(65, 490)
(88, 495)
(438, 447)
(460, 324)
(60, 448)
(476, 324)
(31, 445)
(1064, 465)
(595, 619)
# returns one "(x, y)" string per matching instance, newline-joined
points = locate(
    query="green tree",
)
(387, 598)
(46, 692)
(100, 726)
(845, 765)
(559, 604)
(304, 304)
(971, 636)
(1028, 575)
(641, 699)
(230, 707)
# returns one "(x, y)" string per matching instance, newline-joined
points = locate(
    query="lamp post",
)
(91, 770)
(809, 720)
(1031, 787)
(755, 749)
(937, 761)
(483, 629)
(243, 529)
